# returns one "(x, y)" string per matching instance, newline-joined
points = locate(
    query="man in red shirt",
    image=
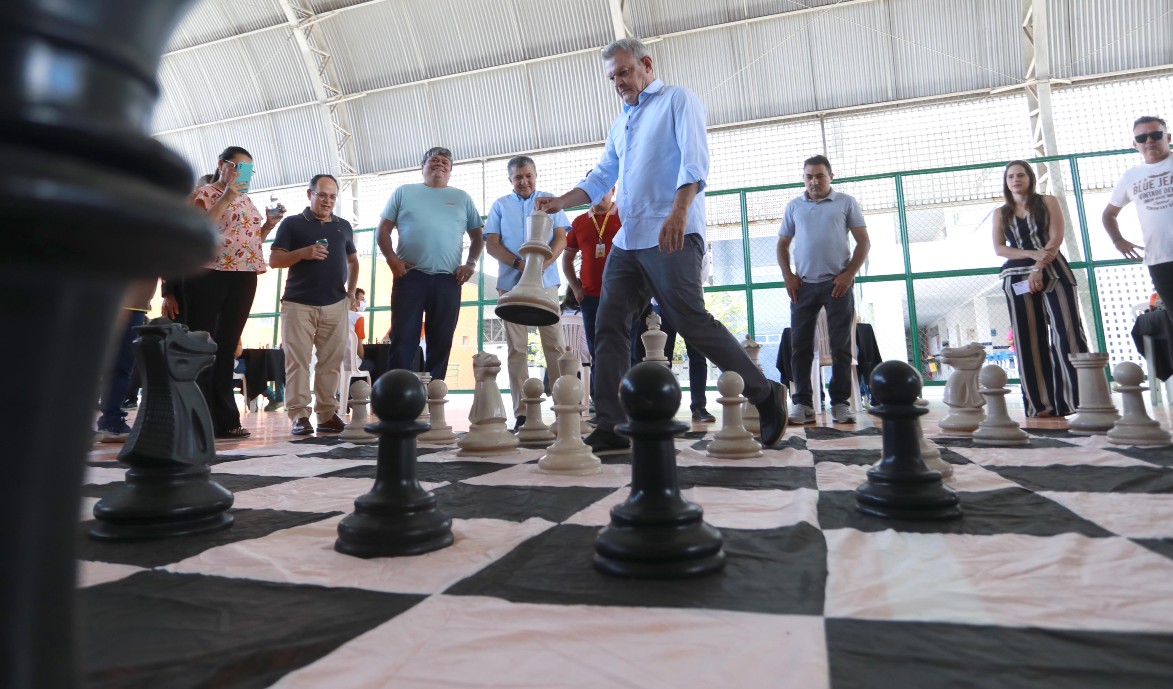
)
(592, 234)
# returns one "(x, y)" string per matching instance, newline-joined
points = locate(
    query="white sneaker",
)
(841, 413)
(802, 414)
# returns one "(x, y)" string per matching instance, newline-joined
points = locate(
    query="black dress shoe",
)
(605, 442)
(302, 426)
(334, 425)
(518, 423)
(772, 413)
(702, 415)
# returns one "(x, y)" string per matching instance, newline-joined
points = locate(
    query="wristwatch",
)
(516, 262)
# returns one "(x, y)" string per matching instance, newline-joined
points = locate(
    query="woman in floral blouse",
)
(218, 301)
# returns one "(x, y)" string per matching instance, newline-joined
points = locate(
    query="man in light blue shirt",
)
(432, 219)
(657, 150)
(820, 224)
(505, 232)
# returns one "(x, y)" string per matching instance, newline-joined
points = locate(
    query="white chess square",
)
(726, 507)
(455, 641)
(314, 494)
(609, 476)
(290, 466)
(1067, 581)
(1046, 456)
(306, 555)
(1135, 515)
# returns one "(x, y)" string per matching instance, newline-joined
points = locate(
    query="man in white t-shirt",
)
(1150, 186)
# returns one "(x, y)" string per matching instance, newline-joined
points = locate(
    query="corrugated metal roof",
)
(494, 77)
(209, 20)
(1097, 36)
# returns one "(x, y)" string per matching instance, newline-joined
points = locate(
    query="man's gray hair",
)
(631, 46)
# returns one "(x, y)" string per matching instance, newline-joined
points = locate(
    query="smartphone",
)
(244, 173)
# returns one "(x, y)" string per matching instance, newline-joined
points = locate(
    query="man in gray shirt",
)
(818, 224)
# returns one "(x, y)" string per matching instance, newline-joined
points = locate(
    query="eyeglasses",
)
(328, 197)
(1151, 136)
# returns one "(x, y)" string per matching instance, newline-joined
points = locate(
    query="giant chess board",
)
(1059, 574)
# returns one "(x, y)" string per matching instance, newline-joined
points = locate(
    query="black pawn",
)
(168, 490)
(397, 517)
(655, 534)
(901, 486)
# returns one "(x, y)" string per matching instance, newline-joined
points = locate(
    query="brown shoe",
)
(302, 426)
(334, 425)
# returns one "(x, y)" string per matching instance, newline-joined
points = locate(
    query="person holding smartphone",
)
(218, 301)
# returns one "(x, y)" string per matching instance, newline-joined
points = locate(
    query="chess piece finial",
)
(655, 533)
(1135, 427)
(900, 486)
(168, 489)
(397, 517)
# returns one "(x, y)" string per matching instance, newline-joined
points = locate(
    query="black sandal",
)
(237, 433)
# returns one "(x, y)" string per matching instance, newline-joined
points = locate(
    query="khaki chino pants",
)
(517, 344)
(304, 328)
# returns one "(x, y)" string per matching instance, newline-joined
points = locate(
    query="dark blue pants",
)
(804, 314)
(590, 308)
(698, 365)
(414, 296)
(118, 383)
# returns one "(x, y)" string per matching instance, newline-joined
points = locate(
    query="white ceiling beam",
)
(620, 18)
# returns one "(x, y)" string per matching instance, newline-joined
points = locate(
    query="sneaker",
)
(772, 415)
(702, 415)
(802, 414)
(334, 425)
(302, 426)
(605, 442)
(116, 432)
(518, 423)
(273, 405)
(841, 413)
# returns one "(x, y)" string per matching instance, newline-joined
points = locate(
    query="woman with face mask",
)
(219, 300)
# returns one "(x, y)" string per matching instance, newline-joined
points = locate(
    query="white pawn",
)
(753, 422)
(1096, 414)
(733, 441)
(997, 428)
(360, 397)
(569, 455)
(534, 431)
(487, 434)
(441, 432)
(961, 390)
(570, 364)
(1134, 427)
(929, 452)
(426, 379)
(654, 340)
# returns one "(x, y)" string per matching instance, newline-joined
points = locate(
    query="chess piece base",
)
(732, 448)
(1093, 421)
(659, 552)
(412, 527)
(918, 497)
(438, 436)
(525, 313)
(161, 504)
(358, 437)
(961, 423)
(1128, 434)
(571, 463)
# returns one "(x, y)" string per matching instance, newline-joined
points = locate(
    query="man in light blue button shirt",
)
(505, 232)
(657, 150)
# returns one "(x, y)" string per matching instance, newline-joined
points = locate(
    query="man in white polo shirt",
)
(819, 223)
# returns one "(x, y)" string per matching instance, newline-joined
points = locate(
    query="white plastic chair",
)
(249, 404)
(350, 370)
(574, 337)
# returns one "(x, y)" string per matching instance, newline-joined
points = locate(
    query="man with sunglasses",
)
(1150, 186)
(317, 248)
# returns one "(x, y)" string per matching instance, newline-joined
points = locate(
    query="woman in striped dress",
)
(1040, 293)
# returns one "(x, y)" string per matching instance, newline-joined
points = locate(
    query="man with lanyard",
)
(593, 236)
(317, 248)
(659, 146)
(505, 232)
(432, 219)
